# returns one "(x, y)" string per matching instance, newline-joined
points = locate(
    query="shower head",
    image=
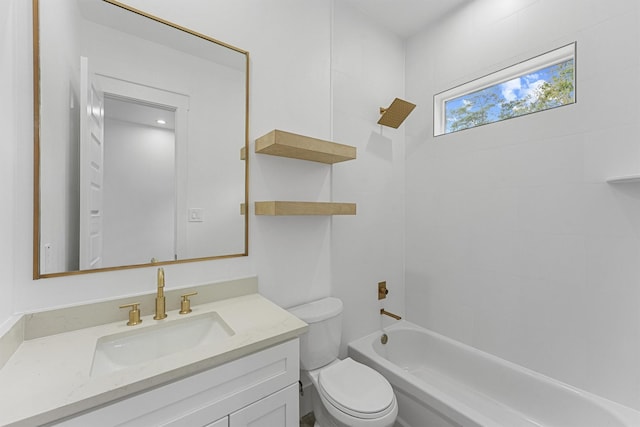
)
(396, 113)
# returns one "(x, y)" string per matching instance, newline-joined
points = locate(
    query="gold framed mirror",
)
(138, 127)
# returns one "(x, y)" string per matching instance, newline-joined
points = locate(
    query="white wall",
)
(60, 77)
(290, 79)
(10, 112)
(367, 73)
(515, 244)
(297, 84)
(290, 90)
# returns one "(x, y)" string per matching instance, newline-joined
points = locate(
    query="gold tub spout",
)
(395, 316)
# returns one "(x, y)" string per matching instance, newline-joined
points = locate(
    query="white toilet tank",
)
(320, 345)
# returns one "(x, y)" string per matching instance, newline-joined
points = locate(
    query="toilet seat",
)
(356, 390)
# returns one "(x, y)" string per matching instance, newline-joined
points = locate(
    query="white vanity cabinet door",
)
(224, 422)
(279, 409)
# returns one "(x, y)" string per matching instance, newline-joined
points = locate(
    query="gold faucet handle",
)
(134, 313)
(185, 304)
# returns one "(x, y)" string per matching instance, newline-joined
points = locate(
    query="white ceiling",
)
(407, 17)
(138, 112)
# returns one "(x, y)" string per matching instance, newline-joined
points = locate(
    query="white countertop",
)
(48, 378)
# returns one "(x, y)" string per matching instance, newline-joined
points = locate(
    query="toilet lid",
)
(356, 389)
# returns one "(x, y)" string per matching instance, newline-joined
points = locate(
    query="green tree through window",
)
(546, 88)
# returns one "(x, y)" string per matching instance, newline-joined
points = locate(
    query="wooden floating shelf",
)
(287, 144)
(276, 208)
(627, 179)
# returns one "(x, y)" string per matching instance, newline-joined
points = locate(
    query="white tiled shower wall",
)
(515, 242)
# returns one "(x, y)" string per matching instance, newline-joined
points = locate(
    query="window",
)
(538, 84)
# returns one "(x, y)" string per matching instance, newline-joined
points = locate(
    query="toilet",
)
(345, 393)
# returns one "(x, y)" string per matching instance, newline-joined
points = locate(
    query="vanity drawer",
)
(205, 397)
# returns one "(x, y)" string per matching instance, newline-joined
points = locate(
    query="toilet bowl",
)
(345, 393)
(350, 394)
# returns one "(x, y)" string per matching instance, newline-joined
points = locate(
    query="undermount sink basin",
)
(130, 348)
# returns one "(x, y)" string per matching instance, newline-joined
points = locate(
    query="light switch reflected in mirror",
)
(140, 123)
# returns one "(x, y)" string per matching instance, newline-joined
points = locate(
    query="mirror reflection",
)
(138, 152)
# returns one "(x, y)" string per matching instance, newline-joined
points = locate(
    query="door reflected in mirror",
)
(140, 191)
(140, 128)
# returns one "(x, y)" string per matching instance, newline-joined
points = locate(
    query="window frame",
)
(518, 70)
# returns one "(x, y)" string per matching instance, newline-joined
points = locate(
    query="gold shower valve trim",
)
(382, 290)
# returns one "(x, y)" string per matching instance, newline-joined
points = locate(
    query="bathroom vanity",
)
(259, 389)
(232, 361)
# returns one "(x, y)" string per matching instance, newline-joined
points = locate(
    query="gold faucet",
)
(161, 311)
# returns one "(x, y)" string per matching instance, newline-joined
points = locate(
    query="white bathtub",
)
(441, 382)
